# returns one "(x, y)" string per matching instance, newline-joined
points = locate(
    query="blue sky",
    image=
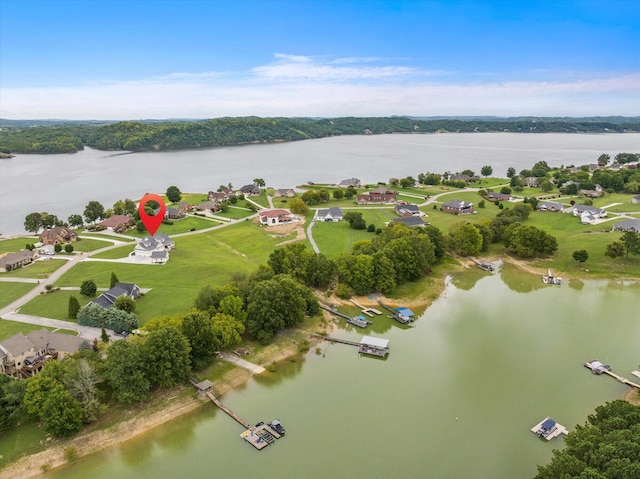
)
(203, 59)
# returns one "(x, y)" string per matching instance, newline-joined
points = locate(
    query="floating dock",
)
(549, 429)
(367, 345)
(402, 315)
(367, 311)
(359, 321)
(598, 368)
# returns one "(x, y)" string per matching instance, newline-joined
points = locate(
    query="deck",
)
(355, 320)
(555, 433)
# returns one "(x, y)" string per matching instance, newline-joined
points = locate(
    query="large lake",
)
(64, 184)
(494, 355)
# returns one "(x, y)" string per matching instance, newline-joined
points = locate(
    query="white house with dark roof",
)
(328, 214)
(627, 225)
(550, 206)
(155, 247)
(579, 210)
(407, 210)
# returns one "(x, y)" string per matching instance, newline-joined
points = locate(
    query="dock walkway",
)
(232, 414)
(622, 379)
(356, 321)
(337, 340)
(365, 310)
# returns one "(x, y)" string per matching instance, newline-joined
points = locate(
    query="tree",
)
(233, 306)
(114, 280)
(546, 186)
(48, 400)
(355, 220)
(298, 206)
(75, 221)
(174, 195)
(527, 241)
(73, 308)
(466, 239)
(511, 172)
(93, 211)
(197, 327)
(227, 330)
(112, 318)
(82, 383)
(581, 255)
(125, 303)
(481, 204)
(487, 171)
(166, 355)
(615, 250)
(124, 371)
(68, 248)
(338, 194)
(104, 337)
(88, 288)
(274, 304)
(259, 182)
(33, 222)
(604, 159)
(631, 242)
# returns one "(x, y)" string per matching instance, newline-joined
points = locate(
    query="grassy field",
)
(86, 245)
(9, 328)
(178, 226)
(106, 237)
(54, 305)
(37, 269)
(116, 253)
(9, 292)
(198, 260)
(13, 245)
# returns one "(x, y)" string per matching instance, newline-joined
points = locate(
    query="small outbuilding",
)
(204, 387)
(374, 346)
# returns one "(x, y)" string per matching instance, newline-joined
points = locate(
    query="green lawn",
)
(37, 269)
(9, 292)
(198, 260)
(116, 253)
(106, 237)
(14, 245)
(86, 245)
(178, 226)
(54, 305)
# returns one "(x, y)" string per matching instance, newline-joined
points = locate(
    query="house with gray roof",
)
(627, 225)
(411, 221)
(149, 245)
(407, 210)
(349, 182)
(636, 200)
(458, 207)
(579, 210)
(550, 206)
(328, 214)
(284, 192)
(251, 190)
(24, 355)
(11, 261)
(108, 298)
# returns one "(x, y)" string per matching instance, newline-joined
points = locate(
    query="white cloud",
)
(306, 86)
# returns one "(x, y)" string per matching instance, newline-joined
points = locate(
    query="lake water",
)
(456, 398)
(64, 184)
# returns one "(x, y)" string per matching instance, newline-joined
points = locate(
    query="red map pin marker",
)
(152, 223)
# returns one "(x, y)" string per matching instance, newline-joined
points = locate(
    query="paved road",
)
(86, 332)
(310, 236)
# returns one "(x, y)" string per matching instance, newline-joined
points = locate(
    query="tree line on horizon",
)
(67, 137)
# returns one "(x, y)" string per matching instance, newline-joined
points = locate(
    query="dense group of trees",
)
(138, 136)
(606, 447)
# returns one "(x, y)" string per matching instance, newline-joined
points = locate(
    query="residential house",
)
(24, 355)
(407, 210)
(636, 200)
(589, 215)
(58, 235)
(117, 223)
(461, 177)
(108, 298)
(11, 261)
(531, 181)
(210, 206)
(627, 225)
(286, 192)
(250, 190)
(493, 196)
(158, 243)
(174, 214)
(328, 214)
(380, 195)
(220, 196)
(550, 206)
(349, 182)
(412, 221)
(458, 207)
(276, 217)
(592, 193)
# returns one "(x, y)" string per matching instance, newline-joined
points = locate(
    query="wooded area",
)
(65, 137)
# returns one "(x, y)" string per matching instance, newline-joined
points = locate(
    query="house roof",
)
(108, 298)
(627, 225)
(411, 221)
(274, 213)
(408, 208)
(551, 204)
(376, 342)
(21, 343)
(15, 258)
(159, 254)
(457, 204)
(334, 212)
(587, 208)
(115, 220)
(350, 182)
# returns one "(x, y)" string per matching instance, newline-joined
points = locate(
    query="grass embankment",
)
(11, 245)
(39, 269)
(9, 292)
(53, 305)
(190, 223)
(9, 328)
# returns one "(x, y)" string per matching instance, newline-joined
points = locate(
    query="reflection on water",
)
(519, 281)
(576, 284)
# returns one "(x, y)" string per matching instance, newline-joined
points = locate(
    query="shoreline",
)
(168, 406)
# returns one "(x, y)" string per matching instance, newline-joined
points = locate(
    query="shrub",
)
(68, 248)
(48, 287)
(88, 288)
(343, 291)
(481, 204)
(371, 228)
(57, 248)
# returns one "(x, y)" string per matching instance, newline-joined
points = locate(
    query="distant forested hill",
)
(50, 136)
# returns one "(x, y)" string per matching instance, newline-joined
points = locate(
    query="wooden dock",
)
(360, 322)
(229, 412)
(368, 311)
(622, 379)
(337, 340)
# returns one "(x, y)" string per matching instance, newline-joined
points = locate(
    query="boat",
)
(597, 367)
(549, 278)
(276, 425)
(548, 429)
(636, 373)
(359, 321)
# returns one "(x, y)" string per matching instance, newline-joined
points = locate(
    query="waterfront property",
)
(598, 368)
(402, 315)
(58, 235)
(24, 355)
(117, 223)
(284, 193)
(379, 196)
(156, 248)
(349, 182)
(374, 346)
(328, 214)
